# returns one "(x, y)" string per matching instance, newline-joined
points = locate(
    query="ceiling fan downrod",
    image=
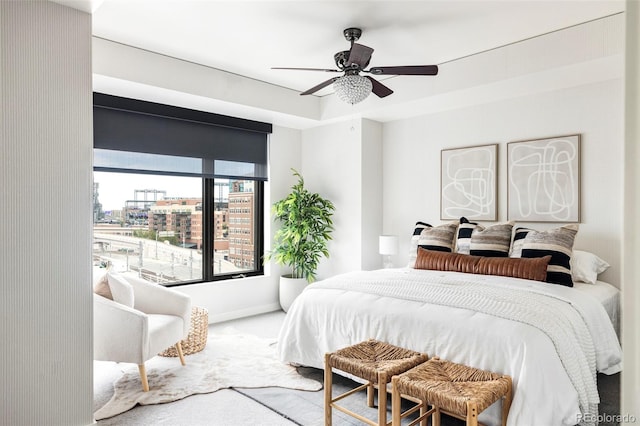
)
(352, 35)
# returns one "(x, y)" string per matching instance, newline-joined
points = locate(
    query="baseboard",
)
(243, 313)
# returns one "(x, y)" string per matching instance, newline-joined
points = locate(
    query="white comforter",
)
(550, 339)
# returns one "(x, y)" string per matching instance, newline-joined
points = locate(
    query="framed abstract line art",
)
(468, 182)
(543, 179)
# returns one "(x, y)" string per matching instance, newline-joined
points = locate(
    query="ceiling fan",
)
(352, 87)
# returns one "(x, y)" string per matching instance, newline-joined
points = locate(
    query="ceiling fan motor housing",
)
(341, 59)
(352, 34)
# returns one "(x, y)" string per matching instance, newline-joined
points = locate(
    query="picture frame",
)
(543, 179)
(468, 182)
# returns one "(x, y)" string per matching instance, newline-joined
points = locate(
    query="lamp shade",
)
(388, 244)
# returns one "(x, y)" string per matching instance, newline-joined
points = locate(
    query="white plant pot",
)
(290, 288)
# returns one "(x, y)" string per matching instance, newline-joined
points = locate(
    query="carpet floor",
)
(225, 407)
(229, 359)
(280, 406)
(307, 408)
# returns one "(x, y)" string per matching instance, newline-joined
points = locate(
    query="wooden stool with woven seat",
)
(454, 389)
(376, 362)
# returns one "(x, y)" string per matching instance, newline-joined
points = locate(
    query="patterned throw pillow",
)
(438, 238)
(493, 241)
(463, 242)
(558, 243)
(518, 238)
(413, 245)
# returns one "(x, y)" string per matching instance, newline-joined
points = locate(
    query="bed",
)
(608, 296)
(551, 339)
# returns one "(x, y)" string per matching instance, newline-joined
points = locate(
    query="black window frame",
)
(208, 232)
(234, 136)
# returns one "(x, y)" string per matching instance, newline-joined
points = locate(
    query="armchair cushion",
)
(152, 298)
(163, 330)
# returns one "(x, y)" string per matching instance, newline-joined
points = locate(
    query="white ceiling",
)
(250, 37)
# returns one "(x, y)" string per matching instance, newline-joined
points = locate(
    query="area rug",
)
(230, 359)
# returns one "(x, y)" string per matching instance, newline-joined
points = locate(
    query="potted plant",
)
(302, 239)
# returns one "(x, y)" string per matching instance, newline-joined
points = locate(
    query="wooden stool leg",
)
(143, 378)
(423, 410)
(382, 399)
(435, 417)
(370, 394)
(180, 354)
(396, 419)
(328, 394)
(506, 403)
(472, 414)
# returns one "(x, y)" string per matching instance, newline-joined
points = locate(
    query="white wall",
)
(630, 401)
(371, 215)
(331, 167)
(342, 162)
(45, 215)
(412, 159)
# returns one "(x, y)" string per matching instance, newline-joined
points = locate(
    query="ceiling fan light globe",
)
(352, 88)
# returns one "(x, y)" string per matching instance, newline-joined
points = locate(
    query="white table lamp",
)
(388, 246)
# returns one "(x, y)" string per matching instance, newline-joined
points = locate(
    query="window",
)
(150, 225)
(177, 193)
(233, 255)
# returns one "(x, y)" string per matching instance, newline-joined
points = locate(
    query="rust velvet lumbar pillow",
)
(444, 261)
(530, 269)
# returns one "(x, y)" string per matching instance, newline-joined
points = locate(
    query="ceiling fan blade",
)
(405, 70)
(319, 86)
(305, 69)
(360, 55)
(379, 89)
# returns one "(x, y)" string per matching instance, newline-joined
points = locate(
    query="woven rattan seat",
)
(454, 389)
(373, 361)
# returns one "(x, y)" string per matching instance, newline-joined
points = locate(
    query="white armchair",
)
(159, 318)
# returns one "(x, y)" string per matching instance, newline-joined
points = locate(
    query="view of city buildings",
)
(160, 237)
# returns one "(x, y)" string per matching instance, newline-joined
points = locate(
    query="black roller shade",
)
(130, 125)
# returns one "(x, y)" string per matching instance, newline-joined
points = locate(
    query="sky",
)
(115, 188)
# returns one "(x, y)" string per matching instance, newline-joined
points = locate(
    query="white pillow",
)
(586, 266)
(121, 290)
